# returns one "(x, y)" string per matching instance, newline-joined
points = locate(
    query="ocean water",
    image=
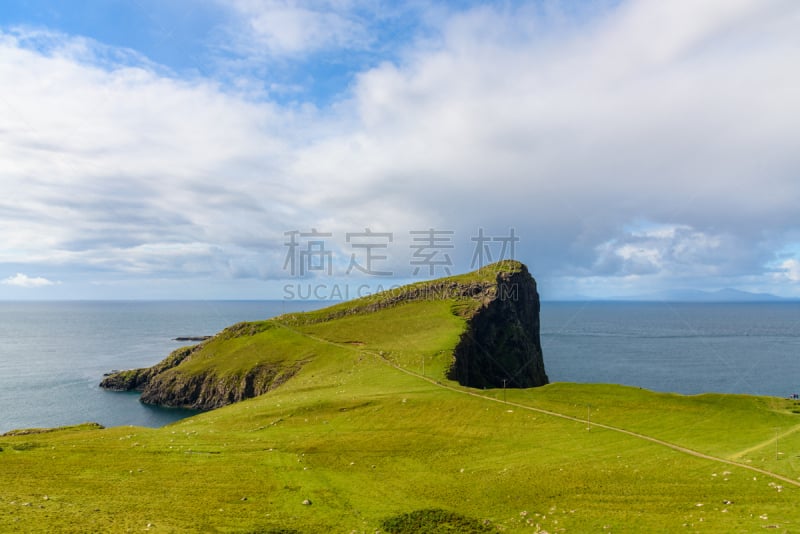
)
(690, 348)
(53, 354)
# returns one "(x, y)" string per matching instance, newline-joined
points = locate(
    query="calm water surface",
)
(751, 348)
(53, 355)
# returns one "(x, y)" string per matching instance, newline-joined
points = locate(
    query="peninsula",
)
(404, 412)
(497, 309)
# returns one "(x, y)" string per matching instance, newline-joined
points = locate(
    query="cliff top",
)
(468, 289)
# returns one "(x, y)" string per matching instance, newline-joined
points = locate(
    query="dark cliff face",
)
(166, 384)
(501, 346)
(207, 391)
(137, 379)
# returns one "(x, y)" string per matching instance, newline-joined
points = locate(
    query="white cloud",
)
(99, 165)
(284, 27)
(676, 251)
(788, 271)
(23, 280)
(632, 116)
(679, 113)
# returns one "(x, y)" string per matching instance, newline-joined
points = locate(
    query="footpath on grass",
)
(673, 446)
(669, 444)
(766, 443)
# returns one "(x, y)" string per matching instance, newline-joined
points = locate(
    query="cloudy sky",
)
(226, 148)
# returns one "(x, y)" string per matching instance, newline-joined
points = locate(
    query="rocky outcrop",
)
(168, 384)
(501, 346)
(206, 391)
(165, 385)
(137, 379)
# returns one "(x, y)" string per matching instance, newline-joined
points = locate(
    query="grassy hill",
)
(369, 435)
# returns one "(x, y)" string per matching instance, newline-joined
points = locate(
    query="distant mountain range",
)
(695, 295)
(727, 294)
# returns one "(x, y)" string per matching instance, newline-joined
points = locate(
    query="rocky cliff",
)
(137, 379)
(179, 381)
(209, 390)
(499, 346)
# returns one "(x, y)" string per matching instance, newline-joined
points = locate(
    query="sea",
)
(53, 354)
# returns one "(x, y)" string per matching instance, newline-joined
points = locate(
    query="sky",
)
(268, 149)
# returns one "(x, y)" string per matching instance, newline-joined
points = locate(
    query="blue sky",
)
(153, 149)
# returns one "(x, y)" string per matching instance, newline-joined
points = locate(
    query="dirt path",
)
(766, 443)
(673, 446)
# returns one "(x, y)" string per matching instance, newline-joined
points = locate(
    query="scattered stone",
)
(243, 499)
(46, 498)
(306, 502)
(726, 501)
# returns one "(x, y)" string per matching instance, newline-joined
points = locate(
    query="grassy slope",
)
(363, 441)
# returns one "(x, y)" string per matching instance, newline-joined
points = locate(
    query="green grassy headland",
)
(361, 439)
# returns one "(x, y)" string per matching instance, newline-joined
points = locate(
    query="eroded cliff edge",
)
(499, 346)
(182, 380)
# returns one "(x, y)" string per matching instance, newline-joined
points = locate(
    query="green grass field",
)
(362, 437)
